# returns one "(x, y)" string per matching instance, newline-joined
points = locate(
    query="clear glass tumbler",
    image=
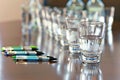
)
(91, 41)
(62, 29)
(109, 17)
(72, 34)
(26, 18)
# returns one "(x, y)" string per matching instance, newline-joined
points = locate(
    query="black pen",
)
(12, 53)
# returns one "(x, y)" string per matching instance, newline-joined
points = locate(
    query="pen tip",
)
(52, 58)
(3, 49)
(34, 47)
(39, 53)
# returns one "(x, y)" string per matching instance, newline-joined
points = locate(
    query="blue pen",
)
(12, 53)
(34, 58)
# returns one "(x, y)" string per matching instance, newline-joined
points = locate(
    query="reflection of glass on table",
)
(91, 72)
(109, 40)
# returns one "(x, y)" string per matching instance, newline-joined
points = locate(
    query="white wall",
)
(10, 9)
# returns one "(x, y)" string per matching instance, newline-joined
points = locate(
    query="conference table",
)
(67, 67)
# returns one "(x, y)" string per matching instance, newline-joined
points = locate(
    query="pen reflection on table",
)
(37, 62)
(91, 72)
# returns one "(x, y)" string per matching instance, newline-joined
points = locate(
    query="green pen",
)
(20, 48)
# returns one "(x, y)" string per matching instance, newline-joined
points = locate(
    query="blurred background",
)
(10, 10)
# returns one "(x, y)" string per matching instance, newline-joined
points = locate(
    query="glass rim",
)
(92, 22)
(71, 18)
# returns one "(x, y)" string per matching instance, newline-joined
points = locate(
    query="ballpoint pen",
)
(19, 48)
(34, 58)
(12, 53)
(35, 62)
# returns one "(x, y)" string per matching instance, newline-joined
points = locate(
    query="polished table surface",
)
(66, 68)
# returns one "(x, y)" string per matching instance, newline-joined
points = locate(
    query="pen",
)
(34, 58)
(20, 48)
(12, 53)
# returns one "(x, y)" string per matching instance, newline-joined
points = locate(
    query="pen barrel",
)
(12, 53)
(33, 58)
(20, 48)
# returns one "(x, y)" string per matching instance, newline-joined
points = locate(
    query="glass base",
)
(91, 59)
(64, 42)
(74, 48)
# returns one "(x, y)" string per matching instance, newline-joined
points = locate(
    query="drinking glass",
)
(109, 17)
(62, 29)
(26, 17)
(43, 18)
(72, 34)
(49, 21)
(91, 41)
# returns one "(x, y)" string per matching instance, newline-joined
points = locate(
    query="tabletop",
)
(68, 67)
